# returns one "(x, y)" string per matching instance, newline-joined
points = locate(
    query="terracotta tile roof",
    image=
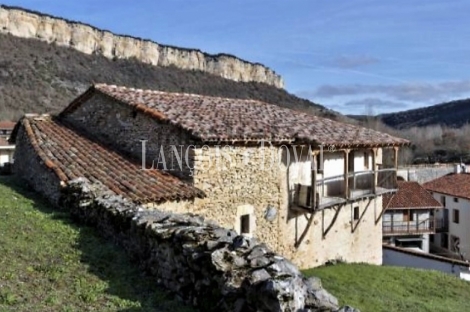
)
(454, 184)
(410, 195)
(6, 124)
(71, 155)
(222, 119)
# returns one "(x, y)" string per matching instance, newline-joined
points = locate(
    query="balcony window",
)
(408, 215)
(366, 161)
(443, 201)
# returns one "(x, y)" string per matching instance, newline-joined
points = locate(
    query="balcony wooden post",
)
(408, 222)
(374, 167)
(346, 173)
(313, 195)
(417, 221)
(395, 156)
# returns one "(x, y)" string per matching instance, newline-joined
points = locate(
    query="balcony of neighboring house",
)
(409, 222)
(427, 226)
(349, 186)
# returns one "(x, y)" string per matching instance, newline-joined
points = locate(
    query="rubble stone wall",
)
(208, 266)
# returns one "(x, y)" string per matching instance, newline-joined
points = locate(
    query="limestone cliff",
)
(90, 40)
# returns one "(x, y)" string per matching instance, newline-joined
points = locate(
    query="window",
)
(455, 216)
(443, 201)
(366, 160)
(245, 224)
(456, 200)
(356, 213)
(407, 215)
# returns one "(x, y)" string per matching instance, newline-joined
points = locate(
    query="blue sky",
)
(357, 57)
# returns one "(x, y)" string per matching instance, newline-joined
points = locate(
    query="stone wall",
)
(234, 177)
(119, 126)
(90, 40)
(29, 166)
(208, 266)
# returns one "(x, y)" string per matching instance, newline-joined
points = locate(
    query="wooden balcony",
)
(428, 226)
(340, 189)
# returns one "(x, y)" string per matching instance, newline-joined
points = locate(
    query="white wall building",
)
(453, 191)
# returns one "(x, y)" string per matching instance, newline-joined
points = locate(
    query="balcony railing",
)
(427, 226)
(331, 191)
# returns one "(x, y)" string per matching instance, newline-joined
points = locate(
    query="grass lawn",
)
(384, 288)
(48, 263)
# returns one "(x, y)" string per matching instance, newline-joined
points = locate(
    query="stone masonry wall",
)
(239, 176)
(90, 40)
(118, 125)
(208, 266)
(335, 235)
(29, 166)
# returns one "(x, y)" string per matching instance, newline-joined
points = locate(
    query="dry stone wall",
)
(208, 266)
(30, 167)
(90, 40)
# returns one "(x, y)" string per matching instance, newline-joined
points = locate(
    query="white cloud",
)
(413, 91)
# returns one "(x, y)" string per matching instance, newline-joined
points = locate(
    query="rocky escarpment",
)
(206, 265)
(90, 40)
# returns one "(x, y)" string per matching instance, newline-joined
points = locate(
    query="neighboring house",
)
(245, 164)
(410, 217)
(6, 149)
(6, 128)
(453, 191)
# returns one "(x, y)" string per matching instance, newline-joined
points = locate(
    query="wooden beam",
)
(374, 167)
(395, 149)
(346, 173)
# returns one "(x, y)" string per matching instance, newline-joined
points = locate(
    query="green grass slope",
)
(47, 263)
(389, 289)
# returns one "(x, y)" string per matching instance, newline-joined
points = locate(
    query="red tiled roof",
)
(454, 184)
(6, 124)
(222, 119)
(410, 195)
(71, 155)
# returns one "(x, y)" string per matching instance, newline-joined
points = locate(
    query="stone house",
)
(453, 192)
(410, 217)
(245, 164)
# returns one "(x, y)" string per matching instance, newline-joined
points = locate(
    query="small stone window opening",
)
(456, 200)
(134, 114)
(356, 213)
(366, 160)
(245, 224)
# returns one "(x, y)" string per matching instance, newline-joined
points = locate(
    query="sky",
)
(356, 57)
